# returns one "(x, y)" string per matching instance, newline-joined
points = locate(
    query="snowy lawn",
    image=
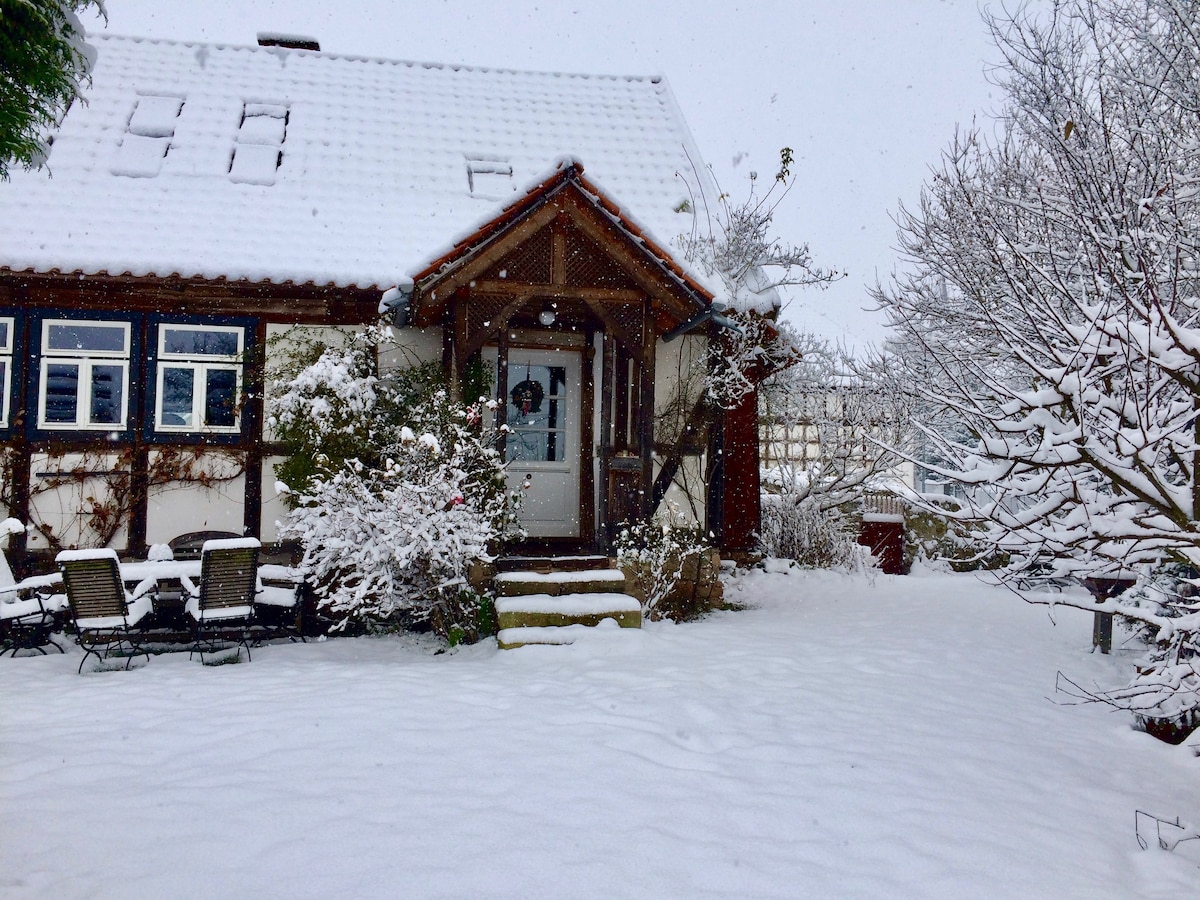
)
(844, 738)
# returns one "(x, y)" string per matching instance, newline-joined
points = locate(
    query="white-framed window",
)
(199, 378)
(6, 364)
(84, 380)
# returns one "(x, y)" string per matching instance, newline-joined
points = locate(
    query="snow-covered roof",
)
(270, 164)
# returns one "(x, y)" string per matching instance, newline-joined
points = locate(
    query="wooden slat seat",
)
(104, 613)
(222, 605)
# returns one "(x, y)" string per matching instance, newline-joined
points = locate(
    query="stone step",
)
(585, 581)
(550, 611)
(546, 564)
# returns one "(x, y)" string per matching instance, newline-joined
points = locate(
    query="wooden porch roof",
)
(569, 199)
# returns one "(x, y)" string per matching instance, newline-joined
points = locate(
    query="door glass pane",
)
(178, 388)
(62, 393)
(221, 398)
(75, 336)
(199, 342)
(108, 388)
(535, 413)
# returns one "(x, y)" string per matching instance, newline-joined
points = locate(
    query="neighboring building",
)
(207, 199)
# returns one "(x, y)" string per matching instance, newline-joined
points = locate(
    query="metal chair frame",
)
(32, 631)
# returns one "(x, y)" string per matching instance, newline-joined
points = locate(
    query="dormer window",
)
(258, 150)
(489, 178)
(148, 135)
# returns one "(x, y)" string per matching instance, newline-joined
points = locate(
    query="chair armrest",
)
(145, 586)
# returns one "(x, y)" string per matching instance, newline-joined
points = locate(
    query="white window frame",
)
(86, 360)
(200, 364)
(6, 357)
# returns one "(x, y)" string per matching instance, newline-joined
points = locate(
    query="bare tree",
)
(1054, 284)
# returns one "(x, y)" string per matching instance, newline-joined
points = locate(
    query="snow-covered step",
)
(511, 638)
(586, 581)
(548, 611)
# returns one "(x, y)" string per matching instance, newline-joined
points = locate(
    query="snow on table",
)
(846, 737)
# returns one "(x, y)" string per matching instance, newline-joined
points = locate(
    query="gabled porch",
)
(562, 304)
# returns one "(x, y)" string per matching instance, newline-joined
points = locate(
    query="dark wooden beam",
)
(587, 474)
(506, 288)
(253, 427)
(646, 410)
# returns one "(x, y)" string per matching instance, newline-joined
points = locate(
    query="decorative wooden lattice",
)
(529, 263)
(628, 316)
(482, 311)
(587, 265)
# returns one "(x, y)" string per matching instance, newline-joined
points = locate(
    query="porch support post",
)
(587, 453)
(646, 410)
(450, 329)
(608, 349)
(502, 391)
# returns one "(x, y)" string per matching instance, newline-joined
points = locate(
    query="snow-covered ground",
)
(845, 737)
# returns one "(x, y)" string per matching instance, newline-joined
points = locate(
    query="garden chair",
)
(25, 623)
(277, 609)
(104, 613)
(221, 607)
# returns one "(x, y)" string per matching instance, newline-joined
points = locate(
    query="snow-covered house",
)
(207, 199)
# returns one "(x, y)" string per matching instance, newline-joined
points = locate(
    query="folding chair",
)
(104, 613)
(222, 605)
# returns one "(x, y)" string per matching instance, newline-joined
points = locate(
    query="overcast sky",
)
(866, 92)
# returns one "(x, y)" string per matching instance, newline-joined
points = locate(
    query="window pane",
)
(108, 388)
(198, 342)
(62, 393)
(77, 336)
(3, 333)
(178, 388)
(528, 446)
(221, 398)
(4, 389)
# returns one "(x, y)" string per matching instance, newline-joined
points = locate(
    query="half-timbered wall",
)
(131, 408)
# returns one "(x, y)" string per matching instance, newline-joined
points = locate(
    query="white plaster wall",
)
(680, 504)
(678, 364)
(273, 508)
(66, 508)
(413, 346)
(181, 507)
(682, 358)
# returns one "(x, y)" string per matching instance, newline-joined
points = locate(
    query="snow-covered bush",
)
(394, 489)
(657, 557)
(800, 528)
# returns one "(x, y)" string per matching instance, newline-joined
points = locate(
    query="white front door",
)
(543, 441)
